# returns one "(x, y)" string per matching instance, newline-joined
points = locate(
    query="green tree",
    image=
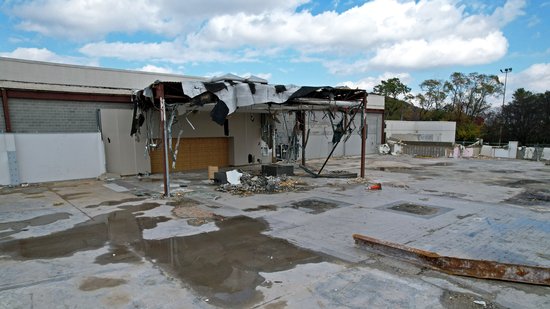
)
(434, 94)
(392, 88)
(524, 119)
(469, 93)
(397, 94)
(432, 99)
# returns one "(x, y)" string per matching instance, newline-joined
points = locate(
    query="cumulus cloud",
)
(84, 19)
(368, 83)
(44, 54)
(450, 50)
(383, 34)
(535, 78)
(163, 51)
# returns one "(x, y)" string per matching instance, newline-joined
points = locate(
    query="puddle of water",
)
(18, 226)
(314, 206)
(117, 228)
(118, 254)
(415, 209)
(223, 265)
(262, 207)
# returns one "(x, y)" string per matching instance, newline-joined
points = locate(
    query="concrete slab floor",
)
(116, 244)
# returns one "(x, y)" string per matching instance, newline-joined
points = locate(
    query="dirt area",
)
(415, 209)
(314, 206)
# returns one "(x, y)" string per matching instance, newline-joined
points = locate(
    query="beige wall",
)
(244, 130)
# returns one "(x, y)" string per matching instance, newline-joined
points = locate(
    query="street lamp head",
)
(507, 70)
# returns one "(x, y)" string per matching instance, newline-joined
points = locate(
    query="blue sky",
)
(348, 42)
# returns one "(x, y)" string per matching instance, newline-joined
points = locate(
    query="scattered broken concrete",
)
(83, 244)
(249, 184)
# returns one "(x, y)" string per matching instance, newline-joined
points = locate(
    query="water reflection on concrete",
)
(223, 266)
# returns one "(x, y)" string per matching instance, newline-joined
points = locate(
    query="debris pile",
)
(250, 184)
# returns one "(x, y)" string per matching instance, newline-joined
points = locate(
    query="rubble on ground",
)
(250, 185)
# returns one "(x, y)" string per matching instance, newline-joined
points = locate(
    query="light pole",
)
(505, 71)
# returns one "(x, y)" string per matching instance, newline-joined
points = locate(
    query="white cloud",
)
(440, 52)
(535, 78)
(384, 34)
(419, 35)
(43, 54)
(368, 83)
(170, 51)
(84, 19)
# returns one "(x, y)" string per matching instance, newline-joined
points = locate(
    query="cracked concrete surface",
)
(91, 244)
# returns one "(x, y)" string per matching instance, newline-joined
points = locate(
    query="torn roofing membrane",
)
(230, 94)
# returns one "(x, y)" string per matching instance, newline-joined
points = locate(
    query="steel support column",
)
(303, 127)
(166, 170)
(363, 134)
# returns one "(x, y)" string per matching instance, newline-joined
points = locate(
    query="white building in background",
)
(421, 131)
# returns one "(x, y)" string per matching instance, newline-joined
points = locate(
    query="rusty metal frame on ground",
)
(459, 266)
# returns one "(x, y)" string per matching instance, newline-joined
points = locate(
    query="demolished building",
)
(61, 122)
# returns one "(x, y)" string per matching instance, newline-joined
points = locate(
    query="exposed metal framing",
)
(363, 139)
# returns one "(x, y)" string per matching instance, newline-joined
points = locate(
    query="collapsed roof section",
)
(229, 93)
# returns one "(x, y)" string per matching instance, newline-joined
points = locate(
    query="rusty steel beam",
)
(6, 109)
(69, 96)
(458, 266)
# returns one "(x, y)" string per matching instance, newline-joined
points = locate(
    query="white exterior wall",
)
(246, 133)
(375, 101)
(433, 131)
(51, 157)
(7, 144)
(124, 154)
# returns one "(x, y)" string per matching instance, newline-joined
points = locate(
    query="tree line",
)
(465, 98)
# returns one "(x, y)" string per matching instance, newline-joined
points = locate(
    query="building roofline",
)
(78, 66)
